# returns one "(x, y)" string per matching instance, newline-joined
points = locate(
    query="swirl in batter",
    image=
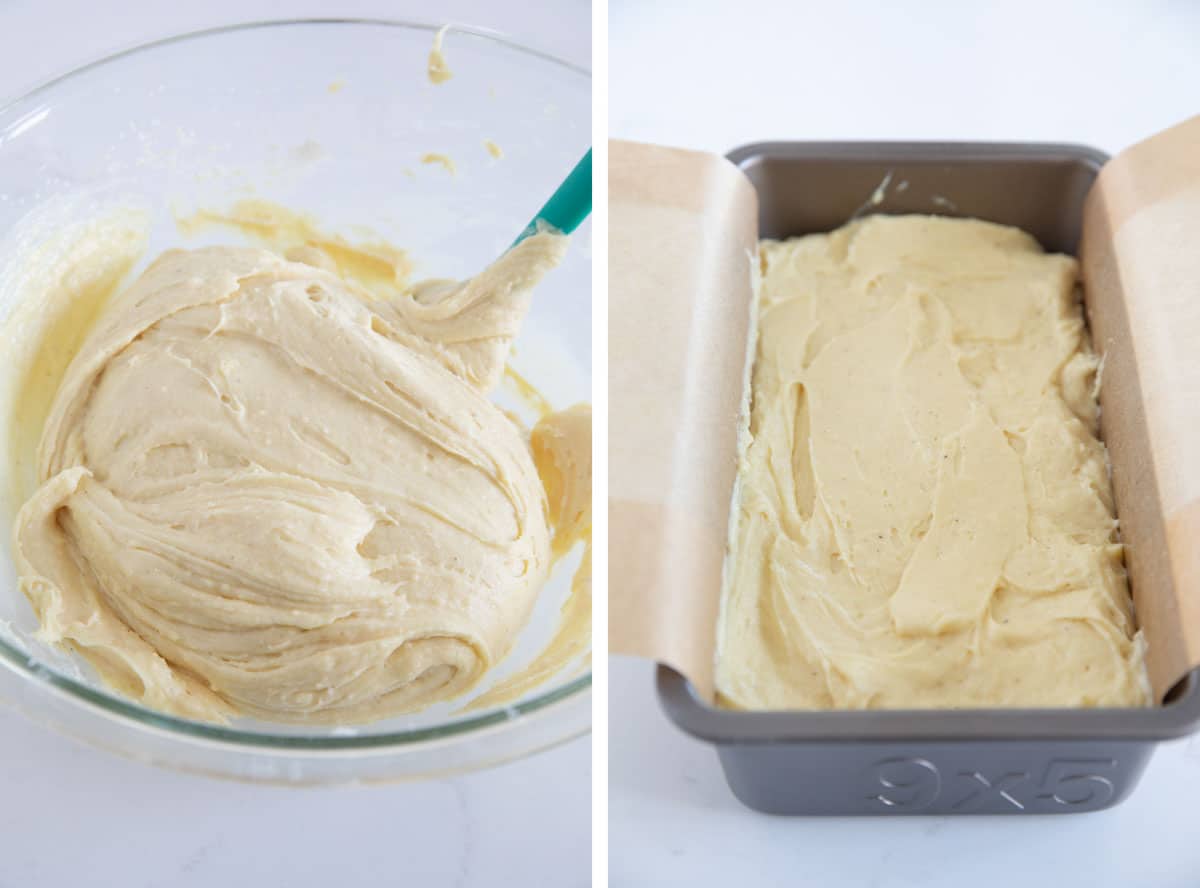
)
(264, 492)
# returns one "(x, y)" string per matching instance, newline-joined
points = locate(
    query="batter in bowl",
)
(265, 492)
(924, 516)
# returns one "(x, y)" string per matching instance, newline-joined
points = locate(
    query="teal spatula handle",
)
(569, 205)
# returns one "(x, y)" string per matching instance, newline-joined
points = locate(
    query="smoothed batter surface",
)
(924, 516)
(265, 492)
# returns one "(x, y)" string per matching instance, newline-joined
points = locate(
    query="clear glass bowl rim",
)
(27, 667)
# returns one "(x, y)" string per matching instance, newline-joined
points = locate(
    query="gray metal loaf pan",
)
(985, 761)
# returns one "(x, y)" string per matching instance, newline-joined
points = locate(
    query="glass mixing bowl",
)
(331, 118)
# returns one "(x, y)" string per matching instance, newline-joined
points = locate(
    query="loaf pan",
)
(894, 762)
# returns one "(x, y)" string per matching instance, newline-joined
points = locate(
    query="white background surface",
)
(1101, 73)
(72, 816)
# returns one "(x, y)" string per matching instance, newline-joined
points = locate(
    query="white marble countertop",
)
(76, 816)
(1102, 73)
(673, 821)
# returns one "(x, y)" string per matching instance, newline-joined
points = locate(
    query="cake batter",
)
(924, 516)
(265, 492)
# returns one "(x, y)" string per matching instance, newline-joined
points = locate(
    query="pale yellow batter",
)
(437, 69)
(445, 161)
(266, 492)
(924, 515)
(562, 452)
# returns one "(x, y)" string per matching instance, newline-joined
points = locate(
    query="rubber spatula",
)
(568, 206)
